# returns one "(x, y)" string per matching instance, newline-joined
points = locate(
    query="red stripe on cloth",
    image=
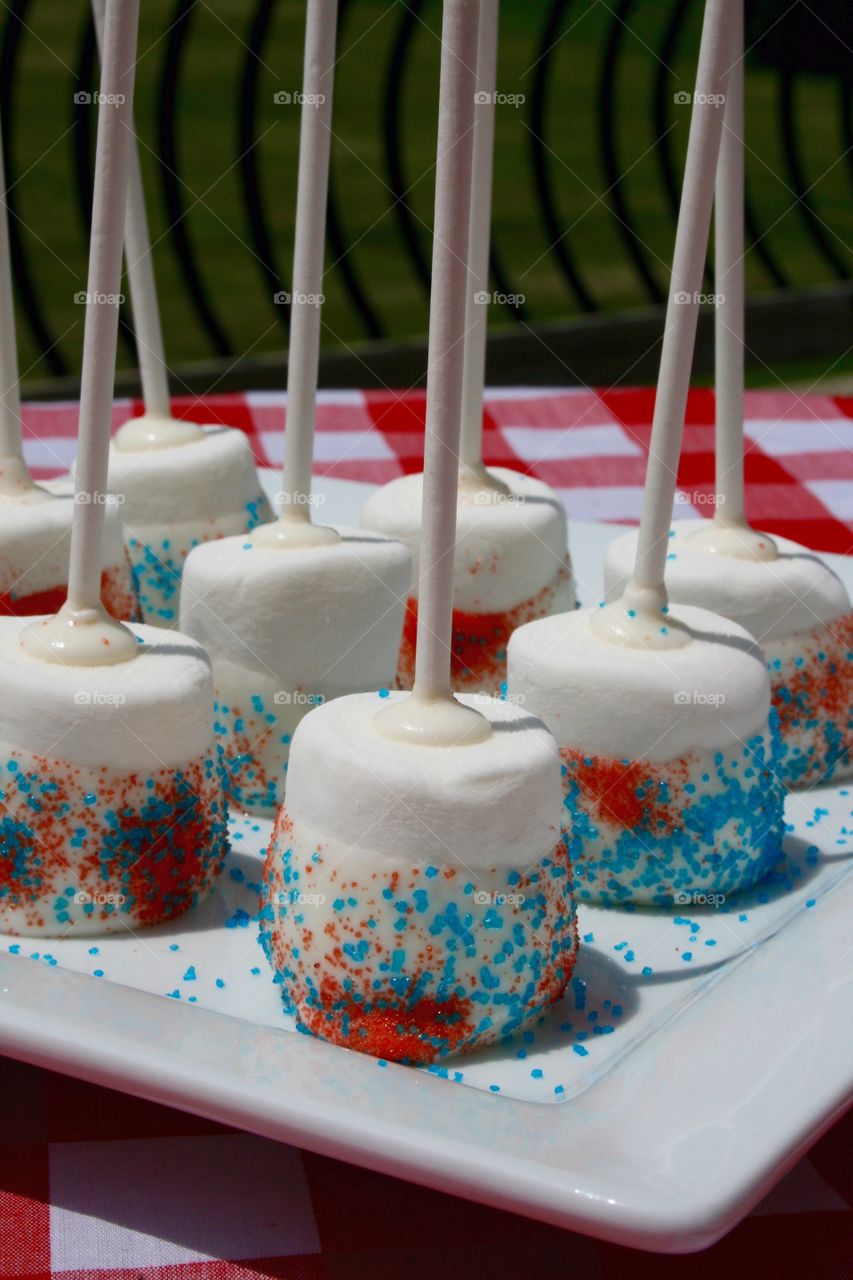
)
(24, 1211)
(604, 472)
(300, 1267)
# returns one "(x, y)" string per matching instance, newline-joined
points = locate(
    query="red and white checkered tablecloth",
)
(589, 445)
(95, 1184)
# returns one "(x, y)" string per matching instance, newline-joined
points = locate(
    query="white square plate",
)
(696, 1057)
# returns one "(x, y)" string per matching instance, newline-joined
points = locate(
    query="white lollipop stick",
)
(82, 632)
(14, 476)
(477, 312)
(140, 273)
(431, 714)
(728, 267)
(691, 242)
(309, 244)
(728, 533)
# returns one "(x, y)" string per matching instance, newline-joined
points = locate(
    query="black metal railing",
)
(258, 45)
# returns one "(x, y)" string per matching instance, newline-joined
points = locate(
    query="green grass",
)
(207, 133)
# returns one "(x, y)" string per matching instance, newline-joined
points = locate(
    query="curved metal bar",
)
(338, 240)
(756, 242)
(83, 117)
(167, 121)
(555, 232)
(846, 105)
(25, 286)
(798, 179)
(248, 167)
(392, 116)
(607, 116)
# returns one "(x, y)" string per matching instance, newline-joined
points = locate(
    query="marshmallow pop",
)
(112, 810)
(180, 484)
(511, 560)
(294, 612)
(417, 895)
(670, 749)
(35, 524)
(793, 604)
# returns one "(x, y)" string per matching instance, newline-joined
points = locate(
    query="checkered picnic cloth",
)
(589, 445)
(94, 1184)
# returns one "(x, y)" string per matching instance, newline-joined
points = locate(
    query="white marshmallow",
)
(35, 543)
(177, 497)
(772, 599)
(637, 703)
(83, 712)
(491, 804)
(509, 546)
(417, 899)
(287, 628)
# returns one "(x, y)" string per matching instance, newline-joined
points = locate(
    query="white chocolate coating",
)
(492, 804)
(287, 628)
(35, 542)
(510, 542)
(630, 703)
(213, 476)
(325, 619)
(177, 497)
(84, 715)
(771, 599)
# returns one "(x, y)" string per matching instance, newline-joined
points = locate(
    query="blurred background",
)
(591, 129)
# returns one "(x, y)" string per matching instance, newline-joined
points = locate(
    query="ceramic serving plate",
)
(697, 1055)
